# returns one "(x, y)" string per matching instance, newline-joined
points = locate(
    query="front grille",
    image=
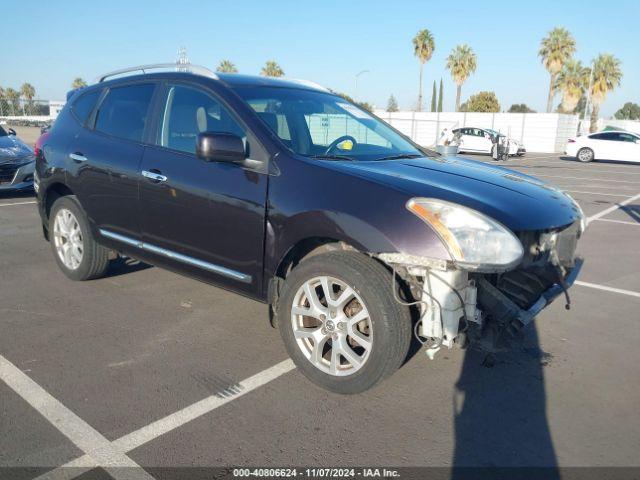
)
(7, 172)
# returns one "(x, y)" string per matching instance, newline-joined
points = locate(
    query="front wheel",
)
(340, 323)
(585, 155)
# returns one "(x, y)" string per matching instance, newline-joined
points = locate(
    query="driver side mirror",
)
(220, 147)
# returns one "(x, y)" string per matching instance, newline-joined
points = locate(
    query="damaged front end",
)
(462, 304)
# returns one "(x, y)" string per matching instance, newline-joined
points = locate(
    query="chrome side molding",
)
(227, 272)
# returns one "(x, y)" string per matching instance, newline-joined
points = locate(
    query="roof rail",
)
(195, 69)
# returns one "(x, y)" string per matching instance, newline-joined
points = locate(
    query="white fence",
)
(538, 132)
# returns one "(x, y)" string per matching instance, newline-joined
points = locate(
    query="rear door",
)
(204, 218)
(107, 158)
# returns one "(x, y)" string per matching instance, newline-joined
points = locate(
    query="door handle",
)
(157, 177)
(78, 157)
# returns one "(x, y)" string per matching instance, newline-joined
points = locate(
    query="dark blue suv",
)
(287, 193)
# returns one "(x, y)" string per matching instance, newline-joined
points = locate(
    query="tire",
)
(382, 322)
(585, 155)
(68, 225)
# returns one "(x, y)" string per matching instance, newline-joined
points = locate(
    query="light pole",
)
(357, 75)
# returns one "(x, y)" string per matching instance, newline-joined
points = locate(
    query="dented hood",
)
(518, 201)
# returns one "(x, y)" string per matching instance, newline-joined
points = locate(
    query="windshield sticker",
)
(356, 112)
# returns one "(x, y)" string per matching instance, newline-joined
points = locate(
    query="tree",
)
(629, 111)
(555, 50)
(28, 92)
(423, 47)
(364, 105)
(272, 69)
(227, 66)
(481, 102)
(78, 83)
(13, 98)
(461, 62)
(572, 81)
(433, 97)
(520, 108)
(392, 104)
(440, 95)
(2, 101)
(606, 76)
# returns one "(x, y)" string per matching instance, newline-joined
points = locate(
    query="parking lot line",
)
(624, 222)
(589, 178)
(96, 447)
(608, 289)
(175, 420)
(595, 193)
(607, 211)
(16, 203)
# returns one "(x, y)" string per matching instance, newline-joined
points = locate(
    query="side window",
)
(83, 106)
(123, 113)
(596, 136)
(625, 137)
(187, 113)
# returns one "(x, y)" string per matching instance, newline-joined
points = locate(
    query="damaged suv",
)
(285, 192)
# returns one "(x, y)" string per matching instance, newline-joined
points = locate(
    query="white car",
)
(482, 140)
(611, 145)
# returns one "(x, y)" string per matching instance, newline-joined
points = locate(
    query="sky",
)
(49, 43)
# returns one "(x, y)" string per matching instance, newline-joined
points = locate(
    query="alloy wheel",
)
(67, 237)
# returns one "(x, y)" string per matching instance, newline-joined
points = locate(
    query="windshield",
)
(322, 125)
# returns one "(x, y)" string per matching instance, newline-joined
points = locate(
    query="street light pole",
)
(357, 75)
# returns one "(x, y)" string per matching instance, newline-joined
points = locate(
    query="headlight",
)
(475, 241)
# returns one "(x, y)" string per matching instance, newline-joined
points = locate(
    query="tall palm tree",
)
(13, 97)
(423, 47)
(226, 66)
(28, 92)
(1, 101)
(555, 50)
(272, 69)
(606, 76)
(461, 62)
(572, 81)
(78, 83)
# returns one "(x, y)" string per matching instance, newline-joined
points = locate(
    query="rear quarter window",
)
(83, 106)
(124, 111)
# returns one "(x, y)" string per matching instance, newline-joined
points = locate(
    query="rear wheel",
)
(585, 155)
(76, 252)
(340, 323)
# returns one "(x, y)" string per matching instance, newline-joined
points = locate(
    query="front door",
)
(204, 218)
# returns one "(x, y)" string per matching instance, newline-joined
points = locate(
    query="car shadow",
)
(125, 266)
(605, 162)
(500, 417)
(19, 195)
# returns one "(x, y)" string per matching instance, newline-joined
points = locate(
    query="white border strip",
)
(608, 289)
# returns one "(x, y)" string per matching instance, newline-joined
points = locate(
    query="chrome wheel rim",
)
(67, 238)
(584, 155)
(332, 326)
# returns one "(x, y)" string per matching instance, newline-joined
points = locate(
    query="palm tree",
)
(227, 66)
(572, 81)
(272, 69)
(555, 49)
(78, 83)
(423, 47)
(606, 76)
(28, 92)
(461, 62)
(1, 101)
(13, 97)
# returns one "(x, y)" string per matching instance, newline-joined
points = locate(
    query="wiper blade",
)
(332, 157)
(402, 155)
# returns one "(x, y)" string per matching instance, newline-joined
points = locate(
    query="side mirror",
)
(220, 147)
(11, 131)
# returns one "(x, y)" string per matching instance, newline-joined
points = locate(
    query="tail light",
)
(37, 149)
(571, 140)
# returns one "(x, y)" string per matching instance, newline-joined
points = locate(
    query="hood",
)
(518, 201)
(12, 149)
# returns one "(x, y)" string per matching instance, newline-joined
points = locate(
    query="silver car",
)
(17, 162)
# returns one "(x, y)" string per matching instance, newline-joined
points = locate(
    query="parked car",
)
(17, 162)
(610, 145)
(287, 193)
(483, 140)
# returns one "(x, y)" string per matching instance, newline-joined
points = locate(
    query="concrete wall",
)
(539, 132)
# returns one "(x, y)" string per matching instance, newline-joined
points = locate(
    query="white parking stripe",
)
(635, 224)
(607, 211)
(16, 203)
(595, 193)
(608, 289)
(171, 422)
(598, 179)
(96, 447)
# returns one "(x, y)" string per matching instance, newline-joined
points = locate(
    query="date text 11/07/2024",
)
(315, 472)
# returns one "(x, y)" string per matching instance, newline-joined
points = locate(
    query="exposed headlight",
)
(475, 241)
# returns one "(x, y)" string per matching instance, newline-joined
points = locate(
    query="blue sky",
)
(50, 43)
